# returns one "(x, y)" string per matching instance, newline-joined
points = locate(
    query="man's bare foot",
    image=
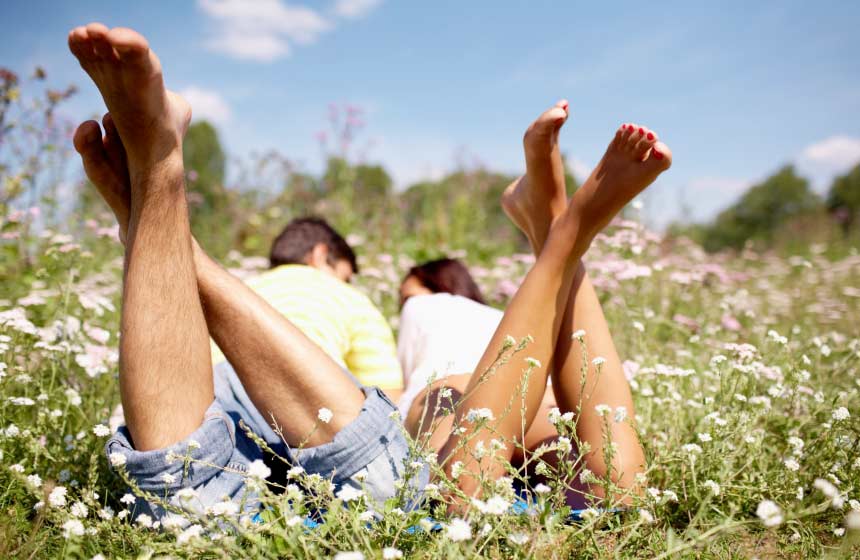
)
(105, 164)
(633, 160)
(534, 200)
(128, 75)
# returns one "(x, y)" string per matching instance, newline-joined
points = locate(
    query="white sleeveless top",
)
(442, 334)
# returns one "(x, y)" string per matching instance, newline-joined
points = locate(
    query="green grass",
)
(757, 351)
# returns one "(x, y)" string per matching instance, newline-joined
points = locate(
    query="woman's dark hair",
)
(447, 276)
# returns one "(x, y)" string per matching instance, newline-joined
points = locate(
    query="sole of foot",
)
(633, 161)
(128, 75)
(535, 199)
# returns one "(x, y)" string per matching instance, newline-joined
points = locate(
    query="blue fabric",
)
(370, 453)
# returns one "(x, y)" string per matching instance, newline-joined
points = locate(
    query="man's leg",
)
(631, 163)
(165, 369)
(287, 376)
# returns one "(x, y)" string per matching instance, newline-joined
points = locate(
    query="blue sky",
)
(737, 89)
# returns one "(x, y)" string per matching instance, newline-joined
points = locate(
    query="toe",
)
(80, 45)
(98, 33)
(661, 155)
(129, 44)
(627, 133)
(87, 138)
(647, 138)
(113, 143)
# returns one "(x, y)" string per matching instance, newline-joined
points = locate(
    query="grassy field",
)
(744, 370)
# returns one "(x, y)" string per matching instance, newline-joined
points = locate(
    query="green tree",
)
(843, 199)
(762, 210)
(205, 166)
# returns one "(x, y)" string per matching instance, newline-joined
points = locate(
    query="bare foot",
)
(105, 164)
(632, 161)
(148, 118)
(534, 200)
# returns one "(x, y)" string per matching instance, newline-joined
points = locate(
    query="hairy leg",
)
(165, 370)
(286, 375)
(540, 305)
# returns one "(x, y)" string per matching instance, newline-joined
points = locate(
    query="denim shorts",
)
(371, 452)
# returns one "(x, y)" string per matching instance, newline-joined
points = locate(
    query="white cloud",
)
(823, 160)
(207, 105)
(262, 30)
(579, 168)
(354, 9)
(837, 153)
(722, 185)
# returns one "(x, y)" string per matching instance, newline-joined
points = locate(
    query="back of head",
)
(447, 276)
(296, 242)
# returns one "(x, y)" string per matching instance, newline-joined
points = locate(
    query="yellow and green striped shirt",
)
(336, 316)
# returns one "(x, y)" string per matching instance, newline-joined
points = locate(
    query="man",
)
(311, 265)
(175, 297)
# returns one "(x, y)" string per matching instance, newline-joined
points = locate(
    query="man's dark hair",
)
(294, 244)
(447, 276)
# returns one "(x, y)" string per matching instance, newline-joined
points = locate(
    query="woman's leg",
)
(632, 162)
(532, 204)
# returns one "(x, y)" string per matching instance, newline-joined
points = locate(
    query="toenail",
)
(641, 130)
(658, 154)
(650, 136)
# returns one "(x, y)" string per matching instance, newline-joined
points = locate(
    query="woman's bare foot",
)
(633, 160)
(534, 200)
(148, 118)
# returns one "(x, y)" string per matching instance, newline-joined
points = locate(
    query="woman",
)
(555, 300)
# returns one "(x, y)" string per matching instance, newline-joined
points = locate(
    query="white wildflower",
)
(458, 530)
(477, 414)
(705, 437)
(841, 413)
(598, 361)
(791, 464)
(144, 520)
(533, 363)
(101, 430)
(349, 555)
(78, 509)
(258, 469)
(73, 528)
(389, 553)
(325, 415)
(518, 538)
(646, 517)
(57, 497)
(620, 414)
(603, 410)
(349, 493)
(173, 521)
(578, 335)
(117, 459)
(34, 481)
(542, 488)
(168, 478)
(713, 487)
(226, 508)
(839, 531)
(188, 534)
(769, 513)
